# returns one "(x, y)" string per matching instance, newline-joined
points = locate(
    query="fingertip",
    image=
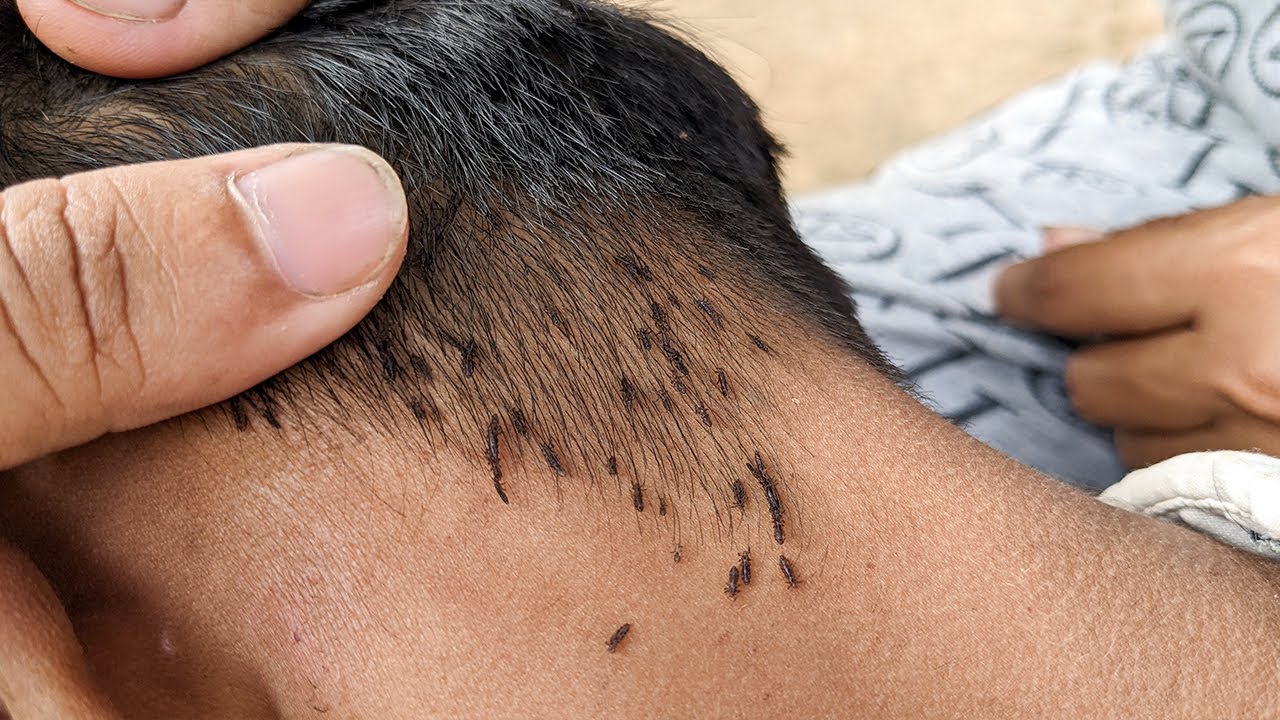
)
(1057, 238)
(150, 38)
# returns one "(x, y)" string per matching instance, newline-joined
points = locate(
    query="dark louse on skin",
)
(391, 368)
(673, 300)
(679, 385)
(703, 414)
(755, 340)
(468, 352)
(732, 588)
(611, 465)
(706, 273)
(238, 415)
(469, 359)
(628, 392)
(660, 318)
(710, 312)
(675, 358)
(418, 409)
(495, 463)
(788, 573)
(723, 381)
(446, 91)
(739, 494)
(553, 460)
(266, 407)
(770, 496)
(667, 404)
(744, 562)
(518, 423)
(637, 496)
(635, 268)
(646, 341)
(678, 554)
(556, 320)
(420, 367)
(618, 636)
(662, 505)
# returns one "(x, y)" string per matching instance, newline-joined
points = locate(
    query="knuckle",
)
(66, 232)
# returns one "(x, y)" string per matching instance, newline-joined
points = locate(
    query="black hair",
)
(574, 170)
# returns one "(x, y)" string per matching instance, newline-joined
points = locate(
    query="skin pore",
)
(337, 543)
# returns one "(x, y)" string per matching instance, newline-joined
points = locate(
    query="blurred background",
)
(845, 83)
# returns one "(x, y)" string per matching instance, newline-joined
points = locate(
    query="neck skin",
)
(210, 574)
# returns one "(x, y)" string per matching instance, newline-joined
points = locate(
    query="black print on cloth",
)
(1264, 55)
(1212, 33)
(861, 240)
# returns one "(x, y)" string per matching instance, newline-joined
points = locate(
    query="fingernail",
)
(332, 218)
(1056, 238)
(136, 10)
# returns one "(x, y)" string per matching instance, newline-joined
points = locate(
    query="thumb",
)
(151, 38)
(134, 294)
(43, 671)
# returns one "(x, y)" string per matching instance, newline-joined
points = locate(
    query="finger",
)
(1140, 448)
(1058, 238)
(43, 671)
(134, 294)
(1157, 382)
(1136, 281)
(151, 38)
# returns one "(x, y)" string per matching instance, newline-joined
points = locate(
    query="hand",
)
(150, 38)
(1188, 310)
(134, 294)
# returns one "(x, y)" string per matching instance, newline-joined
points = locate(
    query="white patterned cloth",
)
(1193, 122)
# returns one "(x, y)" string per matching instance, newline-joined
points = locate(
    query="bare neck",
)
(932, 578)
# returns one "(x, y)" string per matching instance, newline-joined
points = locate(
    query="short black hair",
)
(516, 125)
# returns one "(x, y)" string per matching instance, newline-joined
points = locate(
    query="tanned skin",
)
(605, 315)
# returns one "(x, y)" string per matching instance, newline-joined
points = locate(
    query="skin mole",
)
(618, 636)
